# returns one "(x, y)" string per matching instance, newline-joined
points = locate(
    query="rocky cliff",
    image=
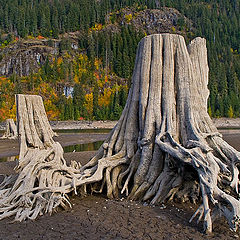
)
(151, 21)
(25, 56)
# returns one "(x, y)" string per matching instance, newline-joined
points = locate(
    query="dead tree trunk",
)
(11, 130)
(164, 146)
(42, 173)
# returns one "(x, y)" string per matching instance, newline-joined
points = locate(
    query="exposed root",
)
(164, 146)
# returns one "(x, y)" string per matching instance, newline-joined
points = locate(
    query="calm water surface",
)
(232, 136)
(93, 146)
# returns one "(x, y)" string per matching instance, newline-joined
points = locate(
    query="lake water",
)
(232, 136)
(83, 147)
(99, 130)
(92, 146)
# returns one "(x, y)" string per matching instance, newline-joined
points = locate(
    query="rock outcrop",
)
(25, 56)
(151, 21)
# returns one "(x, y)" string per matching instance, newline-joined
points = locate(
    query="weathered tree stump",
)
(42, 173)
(11, 130)
(164, 146)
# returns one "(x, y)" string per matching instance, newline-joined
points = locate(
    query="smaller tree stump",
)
(11, 130)
(42, 178)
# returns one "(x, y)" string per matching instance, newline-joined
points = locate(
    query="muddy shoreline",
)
(96, 217)
(56, 125)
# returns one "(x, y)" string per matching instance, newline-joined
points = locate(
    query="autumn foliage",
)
(7, 101)
(72, 87)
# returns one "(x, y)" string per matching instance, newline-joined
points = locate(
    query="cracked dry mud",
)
(95, 217)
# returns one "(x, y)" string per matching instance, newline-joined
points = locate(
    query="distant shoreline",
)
(57, 125)
(83, 124)
(226, 122)
(67, 125)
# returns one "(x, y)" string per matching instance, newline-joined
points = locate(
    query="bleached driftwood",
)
(164, 145)
(11, 130)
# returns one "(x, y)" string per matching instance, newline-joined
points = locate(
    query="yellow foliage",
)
(97, 63)
(8, 110)
(89, 103)
(46, 91)
(7, 99)
(230, 112)
(117, 87)
(59, 61)
(104, 99)
(97, 27)
(173, 29)
(128, 18)
(106, 78)
(12, 112)
(76, 79)
(51, 110)
(67, 55)
(210, 111)
(96, 75)
(209, 6)
(81, 66)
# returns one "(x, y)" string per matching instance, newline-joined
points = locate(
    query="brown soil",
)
(95, 217)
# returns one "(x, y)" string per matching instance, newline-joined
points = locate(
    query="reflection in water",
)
(73, 148)
(232, 136)
(99, 130)
(4, 159)
(83, 147)
(9, 159)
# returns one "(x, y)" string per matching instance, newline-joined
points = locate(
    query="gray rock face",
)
(151, 21)
(25, 57)
(159, 21)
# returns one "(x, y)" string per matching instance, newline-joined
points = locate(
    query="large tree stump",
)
(11, 130)
(164, 146)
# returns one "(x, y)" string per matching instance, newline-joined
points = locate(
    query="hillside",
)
(82, 75)
(36, 36)
(24, 56)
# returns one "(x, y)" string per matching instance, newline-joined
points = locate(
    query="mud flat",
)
(56, 125)
(226, 122)
(95, 217)
(83, 124)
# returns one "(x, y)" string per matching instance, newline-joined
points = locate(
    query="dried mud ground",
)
(96, 217)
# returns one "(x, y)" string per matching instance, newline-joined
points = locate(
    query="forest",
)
(100, 71)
